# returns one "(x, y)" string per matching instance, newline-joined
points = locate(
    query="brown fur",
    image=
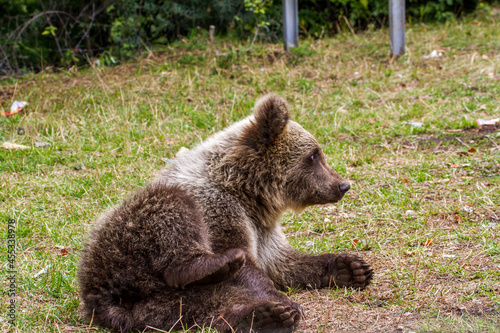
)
(202, 245)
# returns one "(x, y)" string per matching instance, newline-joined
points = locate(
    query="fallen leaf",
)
(64, 251)
(428, 242)
(404, 180)
(458, 218)
(472, 150)
(354, 243)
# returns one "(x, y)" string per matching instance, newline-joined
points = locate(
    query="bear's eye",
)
(313, 157)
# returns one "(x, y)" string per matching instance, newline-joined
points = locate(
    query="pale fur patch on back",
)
(191, 166)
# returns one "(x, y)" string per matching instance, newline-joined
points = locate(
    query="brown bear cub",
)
(201, 246)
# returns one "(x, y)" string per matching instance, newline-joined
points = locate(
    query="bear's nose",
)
(344, 187)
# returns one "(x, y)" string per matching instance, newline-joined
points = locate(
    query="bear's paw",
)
(273, 316)
(347, 270)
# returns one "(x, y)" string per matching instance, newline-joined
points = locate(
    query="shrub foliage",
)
(39, 33)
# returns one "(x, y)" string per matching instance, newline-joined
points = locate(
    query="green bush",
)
(39, 33)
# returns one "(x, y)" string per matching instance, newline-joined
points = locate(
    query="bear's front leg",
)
(322, 271)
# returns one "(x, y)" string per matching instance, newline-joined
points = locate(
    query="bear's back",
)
(133, 243)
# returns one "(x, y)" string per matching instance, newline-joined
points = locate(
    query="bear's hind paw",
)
(272, 317)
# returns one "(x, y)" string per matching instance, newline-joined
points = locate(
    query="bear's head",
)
(277, 164)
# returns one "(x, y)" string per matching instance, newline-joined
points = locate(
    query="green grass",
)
(424, 216)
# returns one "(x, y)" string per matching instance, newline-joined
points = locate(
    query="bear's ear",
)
(271, 116)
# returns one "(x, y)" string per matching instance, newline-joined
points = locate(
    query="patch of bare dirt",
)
(450, 140)
(470, 135)
(406, 292)
(324, 313)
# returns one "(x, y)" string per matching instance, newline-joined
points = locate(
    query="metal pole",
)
(290, 23)
(397, 26)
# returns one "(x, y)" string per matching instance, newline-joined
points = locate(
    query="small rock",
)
(13, 146)
(376, 304)
(413, 123)
(468, 209)
(489, 225)
(482, 122)
(42, 144)
(433, 54)
(42, 271)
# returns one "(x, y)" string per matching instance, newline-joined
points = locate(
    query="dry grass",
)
(423, 210)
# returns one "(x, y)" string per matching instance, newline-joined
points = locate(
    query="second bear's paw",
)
(347, 270)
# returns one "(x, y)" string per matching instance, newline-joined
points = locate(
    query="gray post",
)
(290, 23)
(397, 26)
